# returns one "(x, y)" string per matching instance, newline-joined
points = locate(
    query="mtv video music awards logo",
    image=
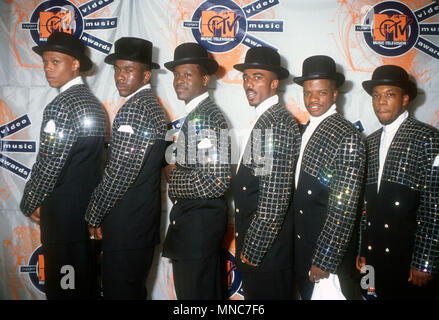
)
(220, 25)
(391, 29)
(35, 269)
(62, 16)
(15, 146)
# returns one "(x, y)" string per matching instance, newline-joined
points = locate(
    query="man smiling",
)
(400, 228)
(124, 210)
(329, 175)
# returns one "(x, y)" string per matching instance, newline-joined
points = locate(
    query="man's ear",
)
(206, 79)
(334, 95)
(405, 100)
(274, 84)
(146, 76)
(76, 65)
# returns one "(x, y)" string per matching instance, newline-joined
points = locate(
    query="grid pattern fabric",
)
(203, 155)
(271, 153)
(137, 125)
(73, 114)
(336, 156)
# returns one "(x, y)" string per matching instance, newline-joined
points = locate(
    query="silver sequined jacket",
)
(203, 153)
(404, 215)
(136, 127)
(73, 115)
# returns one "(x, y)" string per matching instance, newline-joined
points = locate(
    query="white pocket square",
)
(436, 161)
(125, 128)
(50, 127)
(205, 144)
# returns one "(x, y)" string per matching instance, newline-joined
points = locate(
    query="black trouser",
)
(276, 285)
(198, 279)
(70, 271)
(124, 273)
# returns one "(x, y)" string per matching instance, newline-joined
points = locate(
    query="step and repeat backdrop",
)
(359, 35)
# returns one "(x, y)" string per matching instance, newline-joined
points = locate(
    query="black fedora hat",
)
(391, 75)
(192, 53)
(68, 44)
(263, 58)
(132, 49)
(319, 67)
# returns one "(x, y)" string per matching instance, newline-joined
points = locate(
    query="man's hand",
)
(315, 274)
(35, 216)
(419, 278)
(95, 233)
(168, 171)
(244, 260)
(360, 262)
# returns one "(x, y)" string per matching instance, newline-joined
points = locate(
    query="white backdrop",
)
(354, 33)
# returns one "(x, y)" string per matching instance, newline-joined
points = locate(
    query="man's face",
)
(319, 95)
(388, 103)
(59, 68)
(130, 76)
(259, 85)
(189, 82)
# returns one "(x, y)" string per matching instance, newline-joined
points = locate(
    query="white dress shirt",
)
(259, 111)
(312, 126)
(387, 136)
(71, 83)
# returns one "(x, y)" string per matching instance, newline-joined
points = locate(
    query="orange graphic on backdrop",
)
(222, 25)
(394, 28)
(17, 251)
(60, 21)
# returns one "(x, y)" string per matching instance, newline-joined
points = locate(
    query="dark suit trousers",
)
(274, 285)
(198, 279)
(124, 273)
(77, 283)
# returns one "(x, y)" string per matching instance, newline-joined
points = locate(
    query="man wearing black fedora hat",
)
(264, 181)
(67, 168)
(329, 176)
(400, 226)
(198, 181)
(125, 207)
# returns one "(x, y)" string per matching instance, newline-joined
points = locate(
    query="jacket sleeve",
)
(282, 146)
(57, 136)
(343, 202)
(133, 134)
(426, 249)
(205, 172)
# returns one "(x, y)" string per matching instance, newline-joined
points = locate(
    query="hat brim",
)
(282, 73)
(85, 63)
(210, 64)
(338, 78)
(408, 86)
(111, 58)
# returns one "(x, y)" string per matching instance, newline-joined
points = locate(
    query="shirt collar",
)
(266, 104)
(71, 83)
(393, 127)
(196, 101)
(316, 120)
(146, 86)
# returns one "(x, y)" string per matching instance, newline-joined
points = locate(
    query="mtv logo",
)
(55, 21)
(222, 24)
(390, 28)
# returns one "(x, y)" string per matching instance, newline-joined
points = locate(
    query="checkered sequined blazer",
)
(203, 155)
(327, 197)
(401, 221)
(138, 126)
(262, 191)
(68, 164)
